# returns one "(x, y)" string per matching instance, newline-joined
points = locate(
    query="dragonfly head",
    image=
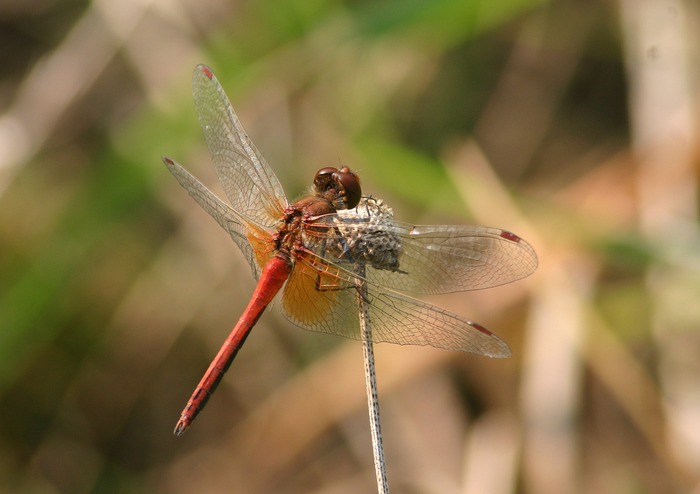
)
(341, 187)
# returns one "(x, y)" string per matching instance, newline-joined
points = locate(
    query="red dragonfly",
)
(313, 246)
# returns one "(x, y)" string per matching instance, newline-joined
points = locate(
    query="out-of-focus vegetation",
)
(574, 124)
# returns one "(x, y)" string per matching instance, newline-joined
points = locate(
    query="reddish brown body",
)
(274, 275)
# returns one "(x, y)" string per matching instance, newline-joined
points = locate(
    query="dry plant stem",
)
(659, 39)
(371, 381)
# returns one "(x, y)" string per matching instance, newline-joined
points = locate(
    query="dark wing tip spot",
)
(207, 71)
(478, 326)
(510, 236)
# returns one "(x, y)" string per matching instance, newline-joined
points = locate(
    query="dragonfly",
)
(311, 250)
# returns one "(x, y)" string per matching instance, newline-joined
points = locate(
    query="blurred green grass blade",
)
(442, 21)
(415, 177)
(29, 309)
(36, 305)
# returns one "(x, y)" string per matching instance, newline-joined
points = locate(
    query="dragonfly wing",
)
(449, 258)
(397, 318)
(422, 259)
(250, 184)
(250, 238)
(321, 296)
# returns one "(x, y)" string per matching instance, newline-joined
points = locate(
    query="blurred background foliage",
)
(573, 123)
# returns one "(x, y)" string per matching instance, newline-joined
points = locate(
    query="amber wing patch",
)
(310, 295)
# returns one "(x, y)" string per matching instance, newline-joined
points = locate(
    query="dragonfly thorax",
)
(367, 235)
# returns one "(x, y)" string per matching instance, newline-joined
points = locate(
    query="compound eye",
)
(350, 186)
(342, 186)
(324, 178)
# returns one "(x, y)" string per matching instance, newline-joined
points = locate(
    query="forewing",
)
(255, 241)
(425, 259)
(447, 258)
(250, 184)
